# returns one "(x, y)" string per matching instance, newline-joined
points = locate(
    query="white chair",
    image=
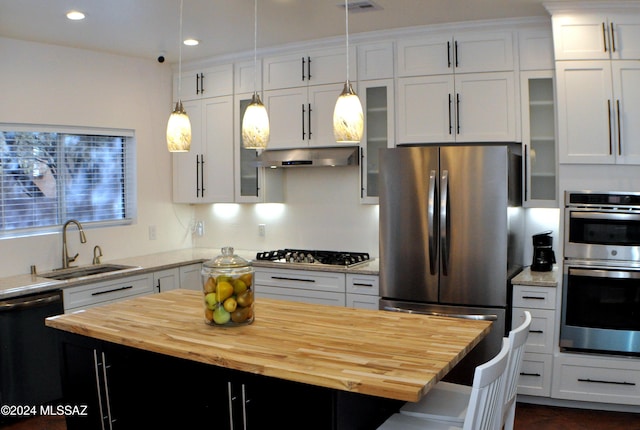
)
(484, 411)
(447, 402)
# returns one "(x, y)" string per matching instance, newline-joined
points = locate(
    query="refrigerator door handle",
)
(433, 244)
(444, 225)
(476, 317)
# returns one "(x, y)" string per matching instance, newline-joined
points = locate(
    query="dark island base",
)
(129, 388)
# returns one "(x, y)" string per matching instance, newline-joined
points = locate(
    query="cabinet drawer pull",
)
(98, 293)
(448, 54)
(536, 331)
(530, 374)
(359, 284)
(302, 63)
(284, 278)
(597, 381)
(604, 36)
(303, 112)
(619, 131)
(533, 298)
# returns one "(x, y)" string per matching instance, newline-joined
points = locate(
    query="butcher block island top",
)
(387, 354)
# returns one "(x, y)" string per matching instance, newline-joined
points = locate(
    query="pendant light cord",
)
(346, 15)
(180, 52)
(255, 45)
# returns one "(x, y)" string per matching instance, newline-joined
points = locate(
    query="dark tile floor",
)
(532, 417)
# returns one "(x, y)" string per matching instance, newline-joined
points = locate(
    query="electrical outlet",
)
(262, 230)
(152, 232)
(200, 228)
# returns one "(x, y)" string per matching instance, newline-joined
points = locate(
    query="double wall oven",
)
(601, 285)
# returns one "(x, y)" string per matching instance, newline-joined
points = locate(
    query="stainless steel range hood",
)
(309, 157)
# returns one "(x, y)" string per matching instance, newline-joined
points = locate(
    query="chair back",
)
(487, 393)
(517, 339)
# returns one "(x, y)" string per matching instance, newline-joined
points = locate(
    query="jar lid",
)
(227, 259)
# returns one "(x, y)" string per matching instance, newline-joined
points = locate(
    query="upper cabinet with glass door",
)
(252, 184)
(538, 139)
(375, 89)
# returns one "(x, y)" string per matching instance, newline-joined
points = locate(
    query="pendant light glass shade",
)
(255, 121)
(179, 125)
(348, 118)
(255, 125)
(179, 130)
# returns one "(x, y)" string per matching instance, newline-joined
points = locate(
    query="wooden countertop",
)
(380, 353)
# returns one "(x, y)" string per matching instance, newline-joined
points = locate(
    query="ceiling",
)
(149, 28)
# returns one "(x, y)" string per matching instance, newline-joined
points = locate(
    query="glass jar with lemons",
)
(227, 282)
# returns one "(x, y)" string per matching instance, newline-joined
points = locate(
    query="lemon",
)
(230, 304)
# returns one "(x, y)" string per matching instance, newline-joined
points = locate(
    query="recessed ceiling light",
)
(75, 15)
(191, 42)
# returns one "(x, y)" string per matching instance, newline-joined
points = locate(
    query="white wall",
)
(45, 84)
(322, 211)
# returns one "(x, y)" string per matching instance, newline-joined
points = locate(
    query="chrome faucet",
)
(65, 254)
(97, 253)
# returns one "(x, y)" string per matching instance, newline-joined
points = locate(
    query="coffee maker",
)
(543, 255)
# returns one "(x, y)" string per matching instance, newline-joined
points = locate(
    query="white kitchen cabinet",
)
(253, 184)
(539, 139)
(535, 375)
(362, 291)
(597, 105)
(100, 293)
(165, 280)
(596, 379)
(300, 285)
(190, 278)
(473, 107)
(377, 98)
(462, 52)
(375, 61)
(303, 116)
(205, 174)
(209, 82)
(535, 49)
(247, 76)
(596, 36)
(304, 68)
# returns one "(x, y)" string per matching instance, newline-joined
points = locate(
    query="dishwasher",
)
(29, 355)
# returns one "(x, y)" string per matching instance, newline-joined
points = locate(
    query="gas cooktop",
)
(332, 258)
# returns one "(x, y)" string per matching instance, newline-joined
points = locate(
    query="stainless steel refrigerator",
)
(451, 231)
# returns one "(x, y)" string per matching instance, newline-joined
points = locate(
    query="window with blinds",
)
(50, 175)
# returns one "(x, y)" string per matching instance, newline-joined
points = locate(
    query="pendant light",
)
(348, 118)
(179, 125)
(255, 122)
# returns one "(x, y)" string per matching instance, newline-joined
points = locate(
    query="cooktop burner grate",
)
(334, 258)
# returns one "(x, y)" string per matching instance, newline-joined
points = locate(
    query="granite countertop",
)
(538, 279)
(20, 285)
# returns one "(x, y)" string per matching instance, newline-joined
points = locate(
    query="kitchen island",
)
(153, 360)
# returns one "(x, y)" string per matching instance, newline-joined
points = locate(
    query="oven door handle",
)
(596, 273)
(605, 216)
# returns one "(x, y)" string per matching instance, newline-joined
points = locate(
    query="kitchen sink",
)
(80, 272)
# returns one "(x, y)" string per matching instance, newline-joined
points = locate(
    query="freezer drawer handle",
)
(442, 314)
(597, 381)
